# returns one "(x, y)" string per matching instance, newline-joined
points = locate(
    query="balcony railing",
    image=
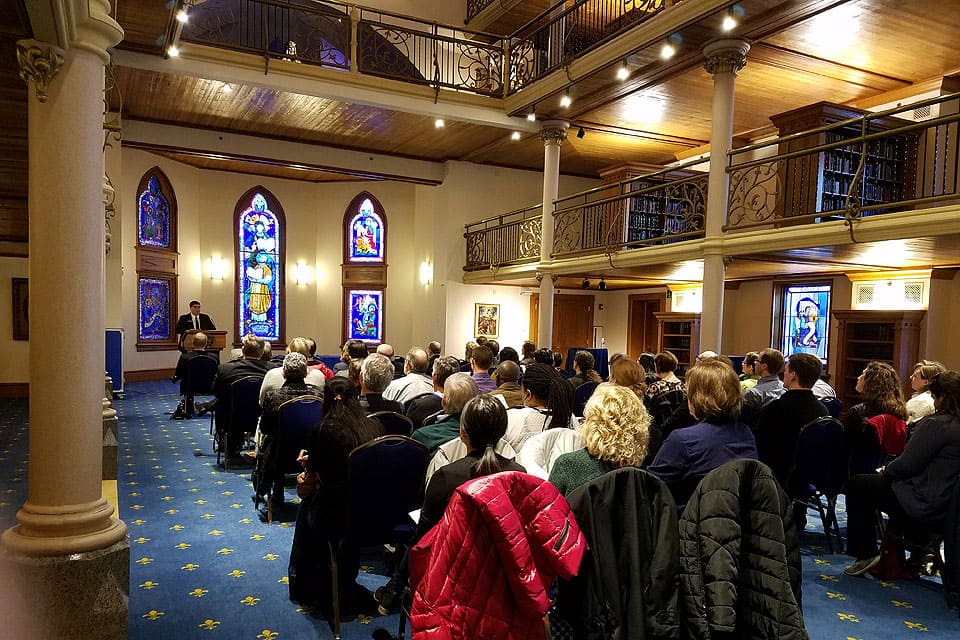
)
(568, 30)
(873, 164)
(341, 36)
(655, 209)
(511, 238)
(474, 7)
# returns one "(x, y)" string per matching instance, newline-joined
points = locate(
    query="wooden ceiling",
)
(13, 128)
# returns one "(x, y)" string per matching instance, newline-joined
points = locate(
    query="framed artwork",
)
(365, 315)
(486, 320)
(21, 321)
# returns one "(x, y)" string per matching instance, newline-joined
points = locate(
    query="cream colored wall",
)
(16, 352)
(939, 330)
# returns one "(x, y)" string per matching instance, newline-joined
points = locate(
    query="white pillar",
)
(723, 59)
(553, 133)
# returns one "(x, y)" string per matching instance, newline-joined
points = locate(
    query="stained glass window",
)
(365, 315)
(365, 239)
(259, 269)
(804, 319)
(154, 309)
(153, 221)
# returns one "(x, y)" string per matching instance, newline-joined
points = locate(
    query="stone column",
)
(68, 548)
(553, 133)
(724, 58)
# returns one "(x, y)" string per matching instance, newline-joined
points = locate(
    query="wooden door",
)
(642, 323)
(572, 321)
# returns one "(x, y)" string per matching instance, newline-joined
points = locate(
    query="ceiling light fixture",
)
(532, 116)
(566, 100)
(581, 133)
(227, 88)
(729, 22)
(182, 16)
(515, 135)
(439, 123)
(623, 72)
(667, 51)
(585, 284)
(173, 51)
(603, 285)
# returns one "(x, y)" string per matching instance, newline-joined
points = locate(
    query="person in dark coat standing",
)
(192, 320)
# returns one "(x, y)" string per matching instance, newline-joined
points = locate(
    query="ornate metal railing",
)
(474, 7)
(655, 209)
(567, 30)
(869, 165)
(348, 37)
(511, 238)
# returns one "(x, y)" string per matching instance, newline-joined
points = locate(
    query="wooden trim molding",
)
(14, 389)
(143, 375)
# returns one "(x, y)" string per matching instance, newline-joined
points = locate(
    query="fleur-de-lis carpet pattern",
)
(204, 565)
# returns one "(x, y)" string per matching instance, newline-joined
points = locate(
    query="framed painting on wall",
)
(21, 322)
(486, 320)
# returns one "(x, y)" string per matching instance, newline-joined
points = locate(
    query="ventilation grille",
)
(913, 292)
(922, 113)
(865, 293)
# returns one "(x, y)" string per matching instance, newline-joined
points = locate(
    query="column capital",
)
(554, 132)
(725, 56)
(90, 27)
(40, 62)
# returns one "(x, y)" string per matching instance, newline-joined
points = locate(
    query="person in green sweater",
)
(615, 428)
(458, 389)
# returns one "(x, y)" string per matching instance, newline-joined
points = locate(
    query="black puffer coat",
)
(740, 557)
(628, 583)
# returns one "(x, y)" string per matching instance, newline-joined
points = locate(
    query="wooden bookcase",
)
(817, 182)
(864, 336)
(679, 333)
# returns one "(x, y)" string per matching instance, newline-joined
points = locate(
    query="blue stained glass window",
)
(365, 315)
(365, 240)
(805, 314)
(153, 221)
(260, 270)
(154, 305)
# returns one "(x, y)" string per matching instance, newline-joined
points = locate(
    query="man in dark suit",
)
(185, 408)
(375, 374)
(250, 364)
(193, 320)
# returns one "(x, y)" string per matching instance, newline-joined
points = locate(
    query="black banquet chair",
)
(385, 477)
(239, 416)
(819, 472)
(201, 372)
(581, 395)
(298, 416)
(394, 424)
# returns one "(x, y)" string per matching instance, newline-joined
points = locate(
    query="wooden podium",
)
(216, 339)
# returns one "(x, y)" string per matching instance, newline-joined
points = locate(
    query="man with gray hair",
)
(376, 373)
(414, 382)
(274, 378)
(429, 404)
(457, 391)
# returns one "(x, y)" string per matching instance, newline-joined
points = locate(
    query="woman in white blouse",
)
(920, 404)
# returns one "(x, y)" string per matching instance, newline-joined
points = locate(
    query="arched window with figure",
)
(156, 262)
(260, 234)
(364, 273)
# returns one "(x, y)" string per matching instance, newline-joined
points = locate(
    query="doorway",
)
(642, 324)
(572, 321)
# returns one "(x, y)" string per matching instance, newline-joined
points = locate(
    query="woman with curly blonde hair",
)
(615, 428)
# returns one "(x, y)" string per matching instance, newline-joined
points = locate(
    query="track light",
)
(182, 16)
(585, 284)
(532, 116)
(439, 123)
(667, 51)
(566, 100)
(515, 135)
(581, 133)
(603, 285)
(729, 23)
(173, 51)
(623, 72)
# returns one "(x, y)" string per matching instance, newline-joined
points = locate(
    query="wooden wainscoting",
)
(143, 375)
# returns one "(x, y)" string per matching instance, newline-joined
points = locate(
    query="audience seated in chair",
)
(879, 386)
(415, 381)
(251, 365)
(418, 409)
(314, 361)
(920, 404)
(195, 378)
(615, 430)
(458, 389)
(541, 450)
(274, 377)
(768, 387)
(481, 359)
(548, 404)
(687, 455)
(915, 488)
(376, 373)
(583, 363)
(321, 516)
(508, 385)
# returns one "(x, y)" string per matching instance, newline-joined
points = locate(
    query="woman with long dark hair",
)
(876, 427)
(345, 426)
(548, 404)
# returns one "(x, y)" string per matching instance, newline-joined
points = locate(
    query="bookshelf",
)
(864, 336)
(679, 333)
(819, 182)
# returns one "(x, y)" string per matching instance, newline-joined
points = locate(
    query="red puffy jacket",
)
(484, 570)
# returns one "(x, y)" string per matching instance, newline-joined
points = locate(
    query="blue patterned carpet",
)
(204, 565)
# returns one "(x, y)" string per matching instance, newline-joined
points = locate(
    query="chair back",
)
(833, 405)
(662, 406)
(245, 403)
(201, 371)
(821, 459)
(297, 418)
(950, 573)
(395, 424)
(386, 477)
(541, 450)
(581, 395)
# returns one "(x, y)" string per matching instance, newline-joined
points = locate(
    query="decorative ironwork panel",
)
(568, 232)
(754, 193)
(476, 249)
(365, 315)
(474, 7)
(153, 216)
(153, 298)
(260, 271)
(531, 233)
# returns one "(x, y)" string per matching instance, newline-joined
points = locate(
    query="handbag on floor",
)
(308, 484)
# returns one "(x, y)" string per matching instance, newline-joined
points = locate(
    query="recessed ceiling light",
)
(515, 135)
(182, 16)
(439, 123)
(173, 51)
(623, 73)
(667, 51)
(566, 100)
(729, 23)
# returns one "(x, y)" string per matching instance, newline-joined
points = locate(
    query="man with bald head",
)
(508, 384)
(386, 350)
(414, 382)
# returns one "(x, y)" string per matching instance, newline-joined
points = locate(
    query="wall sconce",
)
(426, 273)
(217, 268)
(301, 274)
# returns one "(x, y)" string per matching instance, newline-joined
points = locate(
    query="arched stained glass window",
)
(260, 278)
(153, 215)
(365, 240)
(156, 262)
